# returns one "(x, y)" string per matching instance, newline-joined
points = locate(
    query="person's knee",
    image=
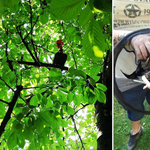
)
(133, 116)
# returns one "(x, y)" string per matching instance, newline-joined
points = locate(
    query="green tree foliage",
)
(43, 106)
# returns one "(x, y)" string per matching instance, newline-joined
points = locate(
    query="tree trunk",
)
(103, 111)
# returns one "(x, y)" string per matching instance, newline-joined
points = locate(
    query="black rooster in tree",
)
(60, 58)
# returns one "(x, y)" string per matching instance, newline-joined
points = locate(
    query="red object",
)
(59, 43)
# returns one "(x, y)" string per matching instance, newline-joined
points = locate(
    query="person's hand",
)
(146, 86)
(140, 43)
(146, 81)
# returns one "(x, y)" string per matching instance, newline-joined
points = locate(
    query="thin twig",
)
(32, 27)
(30, 88)
(78, 110)
(4, 102)
(25, 44)
(77, 132)
(74, 58)
(46, 41)
(7, 84)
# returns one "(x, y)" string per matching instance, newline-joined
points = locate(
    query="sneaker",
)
(134, 139)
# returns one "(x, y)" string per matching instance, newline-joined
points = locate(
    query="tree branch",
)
(73, 56)
(10, 109)
(46, 41)
(78, 110)
(26, 45)
(6, 84)
(4, 102)
(30, 30)
(40, 65)
(6, 52)
(77, 132)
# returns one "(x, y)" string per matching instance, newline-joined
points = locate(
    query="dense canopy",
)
(42, 105)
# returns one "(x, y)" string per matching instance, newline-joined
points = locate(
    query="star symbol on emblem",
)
(132, 11)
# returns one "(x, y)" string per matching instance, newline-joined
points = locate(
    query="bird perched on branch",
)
(60, 58)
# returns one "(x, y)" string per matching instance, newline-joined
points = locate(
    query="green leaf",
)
(70, 110)
(85, 97)
(92, 100)
(100, 95)
(71, 69)
(2, 84)
(38, 96)
(21, 140)
(44, 100)
(77, 100)
(77, 73)
(2, 109)
(61, 142)
(105, 6)
(92, 81)
(66, 10)
(64, 90)
(94, 71)
(44, 17)
(45, 117)
(85, 16)
(31, 121)
(32, 146)
(94, 41)
(72, 31)
(1, 8)
(70, 97)
(12, 140)
(80, 73)
(17, 128)
(5, 68)
(59, 147)
(34, 101)
(91, 91)
(12, 77)
(43, 85)
(91, 96)
(101, 87)
(19, 116)
(10, 3)
(49, 102)
(42, 138)
(54, 74)
(39, 125)
(25, 110)
(57, 104)
(9, 76)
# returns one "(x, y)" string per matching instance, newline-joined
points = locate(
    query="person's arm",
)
(118, 35)
(140, 43)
